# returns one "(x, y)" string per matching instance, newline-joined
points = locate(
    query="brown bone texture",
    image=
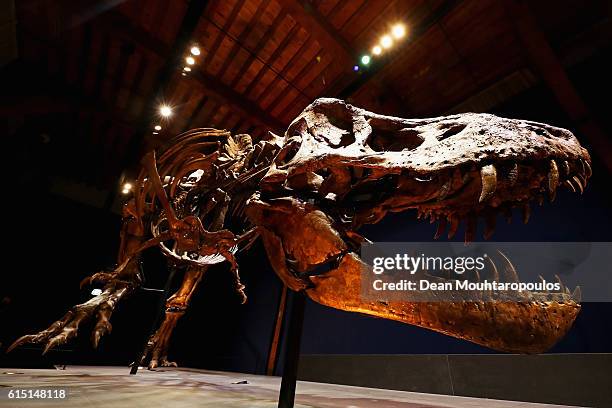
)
(207, 195)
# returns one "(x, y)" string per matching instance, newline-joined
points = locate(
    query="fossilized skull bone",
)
(341, 167)
(207, 195)
(450, 167)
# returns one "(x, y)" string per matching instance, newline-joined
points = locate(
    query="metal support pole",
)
(286, 396)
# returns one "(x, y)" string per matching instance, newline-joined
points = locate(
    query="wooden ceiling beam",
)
(212, 84)
(242, 37)
(331, 40)
(416, 32)
(260, 44)
(237, 100)
(309, 17)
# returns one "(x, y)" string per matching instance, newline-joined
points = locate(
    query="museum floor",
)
(114, 387)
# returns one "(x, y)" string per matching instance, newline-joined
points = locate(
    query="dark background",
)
(51, 242)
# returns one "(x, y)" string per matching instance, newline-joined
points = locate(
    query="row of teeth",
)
(509, 274)
(574, 181)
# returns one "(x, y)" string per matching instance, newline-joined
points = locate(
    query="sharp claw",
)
(20, 341)
(55, 341)
(95, 338)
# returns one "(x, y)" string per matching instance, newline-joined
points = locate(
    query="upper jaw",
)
(465, 192)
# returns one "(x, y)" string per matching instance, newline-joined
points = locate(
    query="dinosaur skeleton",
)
(208, 195)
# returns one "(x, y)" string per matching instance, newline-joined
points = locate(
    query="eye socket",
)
(385, 140)
(289, 151)
(451, 130)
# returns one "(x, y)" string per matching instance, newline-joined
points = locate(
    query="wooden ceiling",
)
(97, 71)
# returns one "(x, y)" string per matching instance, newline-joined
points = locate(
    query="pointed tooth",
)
(470, 228)
(588, 169)
(560, 283)
(581, 169)
(441, 228)
(566, 167)
(553, 179)
(513, 174)
(583, 179)
(526, 212)
(578, 183)
(510, 274)
(454, 224)
(445, 189)
(432, 218)
(488, 177)
(577, 295)
(569, 185)
(495, 271)
(490, 219)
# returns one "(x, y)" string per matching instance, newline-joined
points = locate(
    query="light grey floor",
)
(114, 387)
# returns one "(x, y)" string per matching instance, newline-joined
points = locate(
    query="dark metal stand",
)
(286, 396)
(158, 318)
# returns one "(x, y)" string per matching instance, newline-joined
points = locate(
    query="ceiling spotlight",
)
(127, 186)
(165, 111)
(365, 60)
(190, 60)
(186, 69)
(96, 292)
(398, 30)
(386, 41)
(157, 127)
(356, 68)
(377, 50)
(195, 51)
(125, 192)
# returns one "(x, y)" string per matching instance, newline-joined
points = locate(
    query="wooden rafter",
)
(260, 44)
(308, 16)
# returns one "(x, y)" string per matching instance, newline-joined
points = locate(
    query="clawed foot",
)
(240, 289)
(99, 308)
(156, 352)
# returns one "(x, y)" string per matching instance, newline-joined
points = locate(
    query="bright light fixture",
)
(186, 69)
(96, 292)
(157, 127)
(377, 50)
(356, 68)
(398, 30)
(190, 60)
(386, 41)
(165, 111)
(195, 51)
(365, 60)
(127, 186)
